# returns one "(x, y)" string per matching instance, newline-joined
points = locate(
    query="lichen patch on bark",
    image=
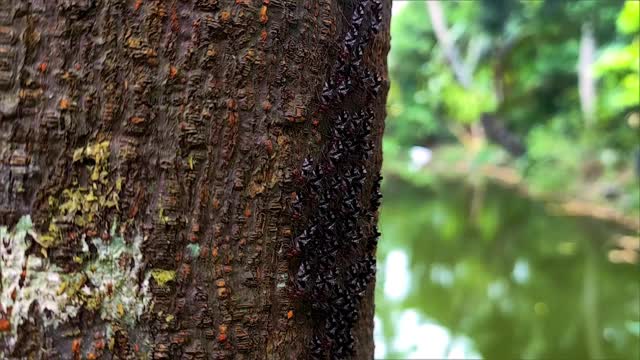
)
(110, 281)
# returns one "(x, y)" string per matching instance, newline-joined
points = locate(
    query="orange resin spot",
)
(75, 346)
(64, 104)
(5, 325)
(263, 14)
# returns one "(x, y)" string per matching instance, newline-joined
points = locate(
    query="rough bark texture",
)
(189, 179)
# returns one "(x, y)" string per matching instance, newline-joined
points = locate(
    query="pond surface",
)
(484, 273)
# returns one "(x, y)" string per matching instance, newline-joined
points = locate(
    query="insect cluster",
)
(334, 254)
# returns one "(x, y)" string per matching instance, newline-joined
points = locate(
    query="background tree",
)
(189, 179)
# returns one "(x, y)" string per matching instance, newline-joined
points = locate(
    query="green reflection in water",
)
(515, 280)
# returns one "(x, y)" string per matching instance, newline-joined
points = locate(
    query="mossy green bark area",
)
(148, 157)
(80, 203)
(162, 277)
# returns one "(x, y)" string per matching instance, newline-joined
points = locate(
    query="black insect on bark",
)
(337, 238)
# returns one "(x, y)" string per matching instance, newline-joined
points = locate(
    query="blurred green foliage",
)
(467, 238)
(523, 57)
(618, 64)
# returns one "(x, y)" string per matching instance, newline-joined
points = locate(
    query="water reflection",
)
(509, 281)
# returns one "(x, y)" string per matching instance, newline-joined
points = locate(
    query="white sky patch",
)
(425, 339)
(520, 272)
(378, 338)
(420, 156)
(397, 276)
(397, 6)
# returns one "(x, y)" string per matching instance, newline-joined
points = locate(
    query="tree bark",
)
(190, 179)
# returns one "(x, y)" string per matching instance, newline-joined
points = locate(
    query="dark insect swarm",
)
(340, 224)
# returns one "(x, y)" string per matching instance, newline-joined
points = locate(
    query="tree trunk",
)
(190, 179)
